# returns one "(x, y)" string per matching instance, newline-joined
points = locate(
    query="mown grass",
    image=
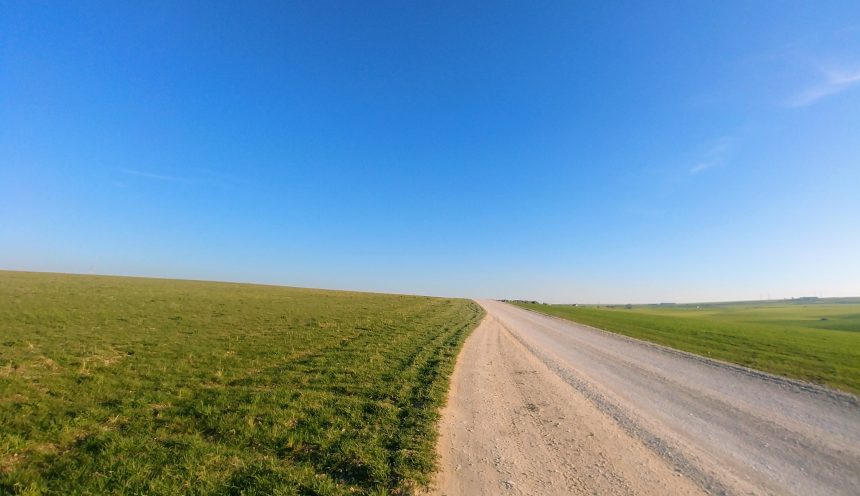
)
(140, 386)
(817, 341)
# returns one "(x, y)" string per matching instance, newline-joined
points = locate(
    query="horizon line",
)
(528, 300)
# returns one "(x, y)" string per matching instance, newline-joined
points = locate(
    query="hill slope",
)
(127, 385)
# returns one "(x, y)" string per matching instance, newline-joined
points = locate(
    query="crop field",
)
(816, 340)
(144, 386)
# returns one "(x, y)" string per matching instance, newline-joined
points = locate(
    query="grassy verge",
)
(144, 386)
(816, 342)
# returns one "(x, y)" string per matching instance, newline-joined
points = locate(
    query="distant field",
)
(814, 340)
(144, 386)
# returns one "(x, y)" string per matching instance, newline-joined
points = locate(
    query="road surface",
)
(539, 405)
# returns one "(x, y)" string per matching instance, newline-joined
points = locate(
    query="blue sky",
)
(562, 151)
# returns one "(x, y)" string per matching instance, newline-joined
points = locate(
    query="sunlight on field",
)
(812, 340)
(159, 387)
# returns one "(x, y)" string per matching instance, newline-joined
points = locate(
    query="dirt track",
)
(543, 406)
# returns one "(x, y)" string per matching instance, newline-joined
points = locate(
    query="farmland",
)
(145, 386)
(816, 340)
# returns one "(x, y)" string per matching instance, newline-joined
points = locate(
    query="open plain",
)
(115, 385)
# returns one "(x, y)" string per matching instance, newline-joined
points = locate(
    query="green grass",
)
(145, 386)
(816, 341)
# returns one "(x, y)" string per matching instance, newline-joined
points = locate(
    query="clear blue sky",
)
(564, 151)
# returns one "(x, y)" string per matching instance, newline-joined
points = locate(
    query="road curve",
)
(540, 405)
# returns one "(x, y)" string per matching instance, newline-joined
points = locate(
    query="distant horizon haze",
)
(762, 298)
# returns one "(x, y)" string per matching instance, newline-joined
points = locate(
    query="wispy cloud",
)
(156, 177)
(834, 82)
(714, 155)
(703, 166)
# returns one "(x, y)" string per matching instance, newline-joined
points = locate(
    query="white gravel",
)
(539, 405)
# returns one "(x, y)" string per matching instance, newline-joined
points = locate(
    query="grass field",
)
(145, 386)
(812, 340)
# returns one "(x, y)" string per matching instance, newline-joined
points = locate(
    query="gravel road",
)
(539, 405)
